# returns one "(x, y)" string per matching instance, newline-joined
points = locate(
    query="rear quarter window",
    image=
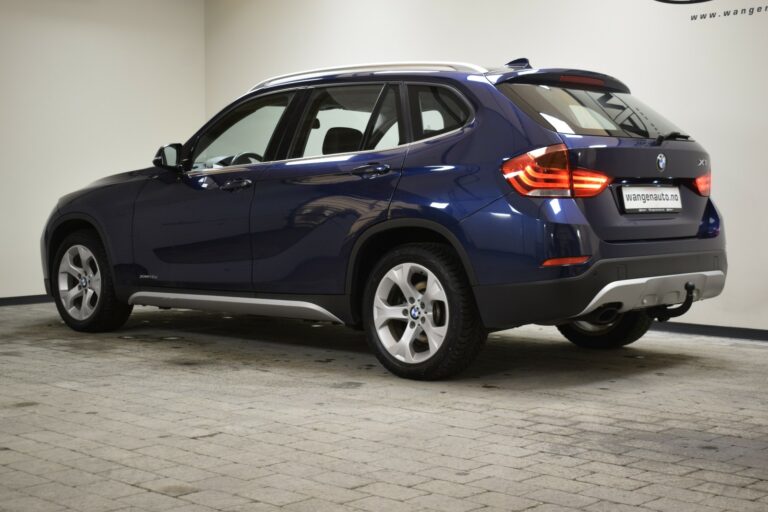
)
(588, 112)
(436, 110)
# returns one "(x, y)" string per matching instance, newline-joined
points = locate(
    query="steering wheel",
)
(246, 157)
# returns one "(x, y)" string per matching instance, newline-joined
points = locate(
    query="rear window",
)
(588, 112)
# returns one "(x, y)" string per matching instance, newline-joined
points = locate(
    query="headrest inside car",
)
(342, 140)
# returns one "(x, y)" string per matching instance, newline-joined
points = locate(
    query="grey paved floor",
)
(185, 411)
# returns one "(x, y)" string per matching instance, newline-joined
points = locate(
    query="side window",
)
(243, 136)
(436, 110)
(345, 119)
(384, 130)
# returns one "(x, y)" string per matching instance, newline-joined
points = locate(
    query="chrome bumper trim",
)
(245, 305)
(667, 290)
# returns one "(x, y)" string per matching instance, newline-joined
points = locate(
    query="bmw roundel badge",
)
(661, 162)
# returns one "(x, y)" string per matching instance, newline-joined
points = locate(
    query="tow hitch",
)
(664, 313)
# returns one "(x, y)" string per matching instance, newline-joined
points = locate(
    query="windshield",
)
(588, 112)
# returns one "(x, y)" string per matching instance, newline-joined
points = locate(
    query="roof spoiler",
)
(575, 78)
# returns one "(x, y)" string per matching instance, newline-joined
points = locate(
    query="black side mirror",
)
(168, 157)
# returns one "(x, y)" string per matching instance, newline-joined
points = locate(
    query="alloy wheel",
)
(79, 282)
(410, 313)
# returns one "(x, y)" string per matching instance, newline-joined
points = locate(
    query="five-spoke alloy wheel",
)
(410, 312)
(82, 285)
(79, 282)
(419, 313)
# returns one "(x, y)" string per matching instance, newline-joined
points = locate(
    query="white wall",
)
(91, 87)
(87, 88)
(708, 77)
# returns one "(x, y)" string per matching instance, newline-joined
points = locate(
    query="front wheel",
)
(83, 287)
(627, 328)
(419, 313)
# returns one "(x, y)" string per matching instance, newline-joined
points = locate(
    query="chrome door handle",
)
(236, 184)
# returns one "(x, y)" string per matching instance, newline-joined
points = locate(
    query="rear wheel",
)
(419, 313)
(626, 329)
(82, 285)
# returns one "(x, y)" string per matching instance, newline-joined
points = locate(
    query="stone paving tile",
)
(377, 504)
(317, 505)
(503, 501)
(187, 411)
(392, 491)
(29, 504)
(110, 489)
(449, 488)
(443, 503)
(561, 498)
(672, 505)
(215, 499)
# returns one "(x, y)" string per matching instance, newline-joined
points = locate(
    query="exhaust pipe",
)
(603, 315)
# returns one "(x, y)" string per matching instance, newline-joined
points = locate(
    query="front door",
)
(192, 228)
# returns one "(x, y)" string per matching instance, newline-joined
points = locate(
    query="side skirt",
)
(244, 305)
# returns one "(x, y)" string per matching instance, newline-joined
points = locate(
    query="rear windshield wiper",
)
(671, 136)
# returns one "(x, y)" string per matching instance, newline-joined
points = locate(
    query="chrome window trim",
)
(470, 121)
(236, 168)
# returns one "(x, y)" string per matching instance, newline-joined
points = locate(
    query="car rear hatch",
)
(658, 178)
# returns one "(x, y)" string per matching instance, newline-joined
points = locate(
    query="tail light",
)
(582, 80)
(547, 172)
(704, 184)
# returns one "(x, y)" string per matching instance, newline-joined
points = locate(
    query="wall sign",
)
(732, 12)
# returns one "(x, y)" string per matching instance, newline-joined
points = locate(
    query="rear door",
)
(653, 166)
(342, 169)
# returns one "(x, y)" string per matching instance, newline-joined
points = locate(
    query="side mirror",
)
(168, 157)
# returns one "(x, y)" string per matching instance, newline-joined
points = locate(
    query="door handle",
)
(236, 184)
(371, 170)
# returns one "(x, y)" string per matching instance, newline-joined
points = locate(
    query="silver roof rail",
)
(377, 66)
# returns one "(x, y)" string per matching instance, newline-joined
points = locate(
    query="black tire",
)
(465, 334)
(626, 329)
(108, 313)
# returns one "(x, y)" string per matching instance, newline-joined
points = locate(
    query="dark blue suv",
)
(426, 203)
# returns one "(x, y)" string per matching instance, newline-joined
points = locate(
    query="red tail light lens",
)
(541, 172)
(588, 183)
(547, 172)
(704, 184)
(582, 80)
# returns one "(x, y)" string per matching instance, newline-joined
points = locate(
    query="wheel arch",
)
(387, 235)
(63, 227)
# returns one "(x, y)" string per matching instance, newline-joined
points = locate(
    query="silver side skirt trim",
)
(246, 305)
(646, 292)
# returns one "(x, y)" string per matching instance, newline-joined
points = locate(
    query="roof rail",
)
(377, 66)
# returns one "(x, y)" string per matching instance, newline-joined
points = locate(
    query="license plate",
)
(651, 199)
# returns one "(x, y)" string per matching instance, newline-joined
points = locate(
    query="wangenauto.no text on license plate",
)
(651, 199)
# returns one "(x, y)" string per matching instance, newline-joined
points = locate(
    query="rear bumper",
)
(634, 282)
(645, 292)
